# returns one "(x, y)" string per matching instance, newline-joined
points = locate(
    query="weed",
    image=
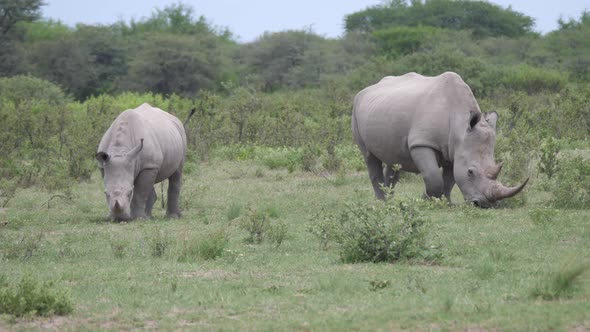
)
(207, 246)
(119, 247)
(278, 232)
(23, 248)
(376, 285)
(158, 243)
(233, 211)
(560, 284)
(259, 172)
(30, 297)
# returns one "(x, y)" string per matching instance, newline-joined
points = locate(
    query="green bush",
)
(377, 232)
(30, 297)
(571, 184)
(262, 224)
(532, 79)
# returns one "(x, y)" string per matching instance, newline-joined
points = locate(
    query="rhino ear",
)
(102, 157)
(474, 118)
(491, 118)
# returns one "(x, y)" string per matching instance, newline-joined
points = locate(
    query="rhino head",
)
(118, 169)
(474, 168)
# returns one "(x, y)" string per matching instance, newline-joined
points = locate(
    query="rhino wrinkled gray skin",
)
(422, 124)
(142, 147)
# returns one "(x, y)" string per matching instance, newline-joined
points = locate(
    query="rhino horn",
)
(494, 171)
(135, 151)
(499, 191)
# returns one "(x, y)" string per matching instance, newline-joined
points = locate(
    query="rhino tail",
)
(192, 112)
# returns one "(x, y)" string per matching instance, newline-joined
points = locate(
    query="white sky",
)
(248, 19)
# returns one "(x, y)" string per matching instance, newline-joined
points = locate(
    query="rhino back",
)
(407, 111)
(164, 139)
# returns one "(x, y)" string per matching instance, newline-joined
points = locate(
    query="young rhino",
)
(142, 147)
(425, 123)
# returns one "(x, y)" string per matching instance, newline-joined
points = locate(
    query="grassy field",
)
(500, 269)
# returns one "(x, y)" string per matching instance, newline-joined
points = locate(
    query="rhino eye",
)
(470, 172)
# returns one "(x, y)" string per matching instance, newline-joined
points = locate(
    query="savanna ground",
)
(499, 269)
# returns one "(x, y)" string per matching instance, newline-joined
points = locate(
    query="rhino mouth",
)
(484, 204)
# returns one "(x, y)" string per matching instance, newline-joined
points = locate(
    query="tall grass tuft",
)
(208, 246)
(560, 284)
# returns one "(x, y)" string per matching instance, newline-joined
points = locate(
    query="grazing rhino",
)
(423, 123)
(142, 147)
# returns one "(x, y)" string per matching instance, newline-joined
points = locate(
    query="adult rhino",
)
(423, 123)
(142, 147)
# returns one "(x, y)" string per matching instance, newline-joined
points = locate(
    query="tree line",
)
(174, 51)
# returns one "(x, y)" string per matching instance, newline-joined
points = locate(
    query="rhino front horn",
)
(499, 191)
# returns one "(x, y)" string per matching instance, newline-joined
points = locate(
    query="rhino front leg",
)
(150, 202)
(142, 194)
(174, 184)
(425, 160)
(375, 167)
(448, 181)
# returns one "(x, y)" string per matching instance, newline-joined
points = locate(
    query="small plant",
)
(23, 248)
(278, 232)
(207, 246)
(548, 162)
(158, 243)
(376, 285)
(256, 223)
(378, 232)
(560, 284)
(119, 248)
(260, 225)
(30, 297)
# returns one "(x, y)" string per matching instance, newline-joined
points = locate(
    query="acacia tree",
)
(12, 53)
(483, 18)
(178, 64)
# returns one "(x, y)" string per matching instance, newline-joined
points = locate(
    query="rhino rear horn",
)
(494, 171)
(135, 151)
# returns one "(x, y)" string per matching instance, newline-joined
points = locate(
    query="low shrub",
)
(262, 224)
(30, 297)
(376, 232)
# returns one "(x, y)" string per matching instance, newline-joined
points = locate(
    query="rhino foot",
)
(173, 215)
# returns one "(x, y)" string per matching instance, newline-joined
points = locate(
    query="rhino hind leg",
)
(174, 184)
(375, 167)
(142, 194)
(425, 160)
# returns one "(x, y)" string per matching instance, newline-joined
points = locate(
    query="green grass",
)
(499, 269)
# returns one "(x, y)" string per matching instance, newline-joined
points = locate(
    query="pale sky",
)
(248, 19)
